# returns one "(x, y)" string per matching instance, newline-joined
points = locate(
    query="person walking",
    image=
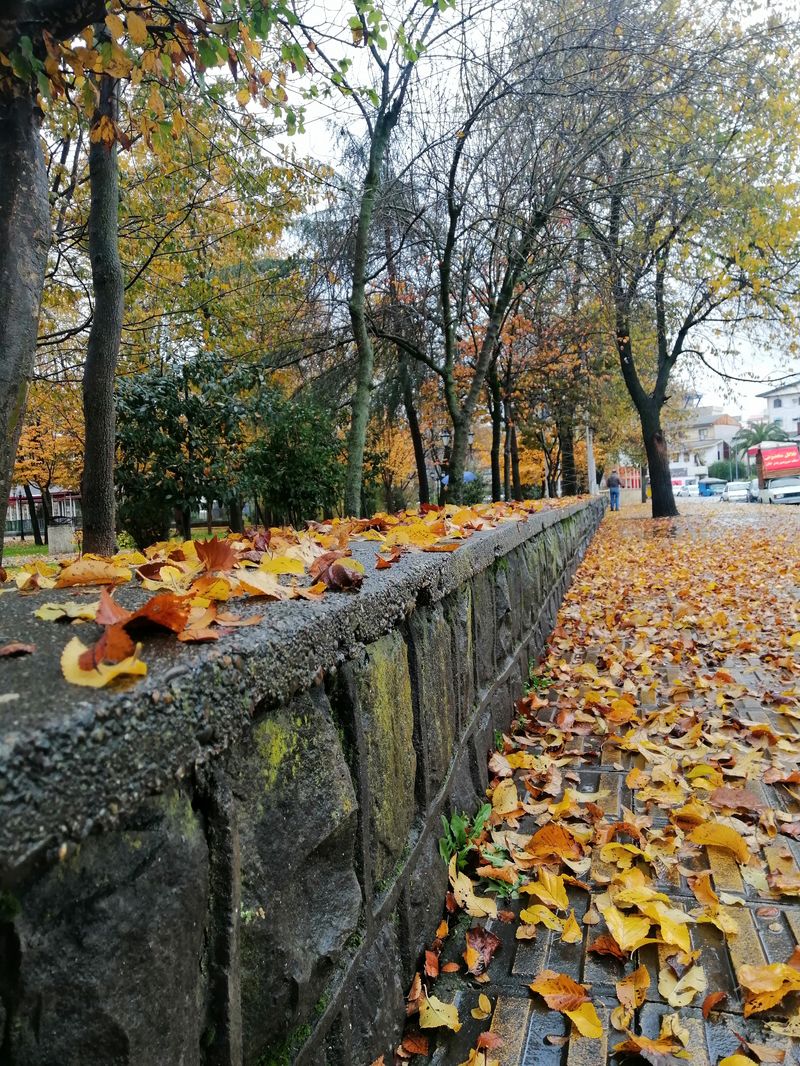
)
(614, 484)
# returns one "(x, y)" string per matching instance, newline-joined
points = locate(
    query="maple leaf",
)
(112, 647)
(216, 555)
(662, 1052)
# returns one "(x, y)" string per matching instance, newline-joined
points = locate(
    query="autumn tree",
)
(42, 58)
(694, 212)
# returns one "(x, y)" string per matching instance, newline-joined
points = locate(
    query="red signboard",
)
(778, 460)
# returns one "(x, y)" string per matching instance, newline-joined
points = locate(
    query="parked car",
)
(711, 486)
(689, 489)
(781, 490)
(736, 492)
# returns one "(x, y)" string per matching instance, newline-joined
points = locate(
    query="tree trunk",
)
(209, 516)
(496, 411)
(24, 243)
(566, 439)
(663, 501)
(416, 437)
(47, 511)
(236, 519)
(37, 533)
(515, 476)
(643, 482)
(358, 315)
(506, 460)
(97, 486)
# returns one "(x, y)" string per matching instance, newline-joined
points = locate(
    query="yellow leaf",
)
(586, 1021)
(629, 931)
(54, 612)
(572, 933)
(116, 26)
(505, 800)
(433, 1014)
(721, 836)
(92, 572)
(794, 640)
(484, 1008)
(673, 923)
(737, 1060)
(243, 97)
(103, 673)
(680, 993)
(137, 28)
(539, 913)
(549, 889)
(476, 906)
(282, 564)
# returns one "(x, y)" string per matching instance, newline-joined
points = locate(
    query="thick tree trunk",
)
(506, 460)
(24, 242)
(663, 501)
(97, 487)
(416, 437)
(569, 476)
(643, 483)
(37, 533)
(236, 518)
(515, 476)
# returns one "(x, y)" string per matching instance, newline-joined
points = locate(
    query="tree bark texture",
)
(495, 408)
(358, 316)
(97, 489)
(566, 439)
(416, 436)
(24, 243)
(663, 500)
(516, 480)
(37, 533)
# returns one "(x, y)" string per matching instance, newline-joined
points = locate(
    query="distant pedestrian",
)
(614, 484)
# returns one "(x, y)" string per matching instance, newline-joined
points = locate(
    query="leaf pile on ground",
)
(674, 665)
(193, 581)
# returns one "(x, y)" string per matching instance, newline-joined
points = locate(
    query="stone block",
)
(504, 624)
(377, 1004)
(382, 701)
(483, 615)
(300, 897)
(458, 611)
(422, 900)
(431, 639)
(111, 945)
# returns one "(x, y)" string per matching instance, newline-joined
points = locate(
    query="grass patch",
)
(11, 551)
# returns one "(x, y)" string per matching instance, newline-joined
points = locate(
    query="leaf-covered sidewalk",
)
(633, 895)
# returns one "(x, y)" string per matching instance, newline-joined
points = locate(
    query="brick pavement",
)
(690, 620)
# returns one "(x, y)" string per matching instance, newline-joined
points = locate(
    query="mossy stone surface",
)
(383, 691)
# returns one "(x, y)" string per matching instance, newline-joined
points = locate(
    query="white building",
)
(783, 406)
(702, 437)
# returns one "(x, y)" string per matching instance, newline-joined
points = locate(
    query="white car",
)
(781, 490)
(736, 492)
(691, 489)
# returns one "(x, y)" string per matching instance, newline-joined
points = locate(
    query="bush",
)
(729, 470)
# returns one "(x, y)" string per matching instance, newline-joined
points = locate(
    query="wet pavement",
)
(668, 706)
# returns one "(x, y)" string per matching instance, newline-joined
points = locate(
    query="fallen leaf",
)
(434, 1014)
(89, 571)
(484, 1008)
(712, 1001)
(484, 943)
(721, 836)
(103, 673)
(16, 649)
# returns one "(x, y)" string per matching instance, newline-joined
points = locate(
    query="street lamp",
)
(445, 437)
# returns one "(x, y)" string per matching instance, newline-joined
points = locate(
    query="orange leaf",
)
(215, 554)
(112, 647)
(559, 991)
(92, 572)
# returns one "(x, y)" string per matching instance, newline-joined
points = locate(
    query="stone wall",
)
(237, 862)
